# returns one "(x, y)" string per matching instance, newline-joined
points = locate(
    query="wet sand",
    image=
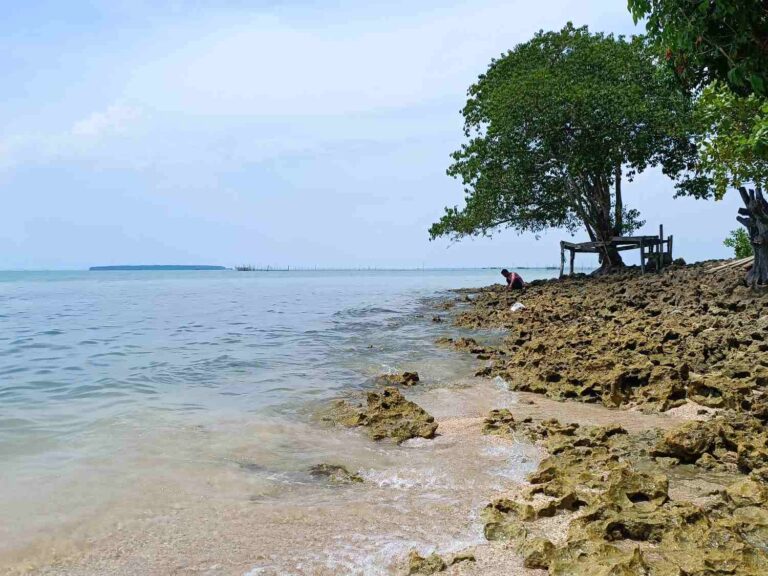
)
(424, 495)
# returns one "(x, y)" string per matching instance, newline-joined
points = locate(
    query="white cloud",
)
(269, 66)
(116, 119)
(96, 133)
(289, 85)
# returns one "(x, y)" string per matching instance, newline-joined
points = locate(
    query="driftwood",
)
(754, 217)
(733, 264)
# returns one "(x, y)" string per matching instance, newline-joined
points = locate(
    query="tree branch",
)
(619, 204)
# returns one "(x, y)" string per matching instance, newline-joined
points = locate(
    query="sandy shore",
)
(503, 558)
(422, 495)
(238, 537)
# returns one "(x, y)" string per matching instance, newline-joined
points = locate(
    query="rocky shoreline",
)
(688, 501)
(687, 496)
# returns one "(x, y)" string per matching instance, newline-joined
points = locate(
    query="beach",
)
(384, 289)
(166, 420)
(537, 425)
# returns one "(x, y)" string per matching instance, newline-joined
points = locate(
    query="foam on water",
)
(407, 479)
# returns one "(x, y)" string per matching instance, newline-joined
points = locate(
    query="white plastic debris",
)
(516, 307)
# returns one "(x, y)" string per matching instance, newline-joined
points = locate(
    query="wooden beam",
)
(562, 257)
(633, 239)
(599, 250)
(662, 252)
(732, 264)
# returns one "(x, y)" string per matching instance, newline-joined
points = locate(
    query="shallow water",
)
(183, 400)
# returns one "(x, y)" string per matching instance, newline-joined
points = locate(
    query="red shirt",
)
(515, 278)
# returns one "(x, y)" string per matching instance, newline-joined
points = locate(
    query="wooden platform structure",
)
(655, 251)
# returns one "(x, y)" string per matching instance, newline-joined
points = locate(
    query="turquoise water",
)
(81, 347)
(93, 365)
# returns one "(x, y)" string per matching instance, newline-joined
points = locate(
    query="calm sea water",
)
(93, 365)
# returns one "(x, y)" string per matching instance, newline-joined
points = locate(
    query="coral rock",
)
(335, 473)
(418, 565)
(387, 415)
(688, 442)
(403, 379)
(537, 553)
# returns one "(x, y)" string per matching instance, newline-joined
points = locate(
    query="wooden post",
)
(642, 256)
(660, 257)
(573, 257)
(669, 245)
(562, 258)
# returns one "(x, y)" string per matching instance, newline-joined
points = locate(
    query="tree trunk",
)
(618, 206)
(755, 218)
(610, 258)
(610, 261)
(592, 202)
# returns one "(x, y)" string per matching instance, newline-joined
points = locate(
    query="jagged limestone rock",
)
(335, 473)
(387, 414)
(462, 557)
(651, 340)
(402, 379)
(654, 342)
(537, 553)
(619, 497)
(499, 422)
(343, 413)
(420, 566)
(591, 558)
(736, 441)
(688, 442)
(503, 523)
(747, 492)
(390, 415)
(469, 344)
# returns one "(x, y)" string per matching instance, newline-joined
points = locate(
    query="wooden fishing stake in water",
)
(655, 251)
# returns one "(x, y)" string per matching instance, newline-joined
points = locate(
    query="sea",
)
(163, 422)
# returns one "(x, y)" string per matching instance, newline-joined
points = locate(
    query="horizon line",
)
(303, 269)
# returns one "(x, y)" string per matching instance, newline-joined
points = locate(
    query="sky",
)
(303, 134)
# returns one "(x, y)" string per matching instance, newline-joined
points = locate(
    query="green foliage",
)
(708, 40)
(739, 241)
(733, 138)
(554, 126)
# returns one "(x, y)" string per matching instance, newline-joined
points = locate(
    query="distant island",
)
(156, 267)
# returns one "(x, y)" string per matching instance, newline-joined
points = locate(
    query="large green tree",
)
(719, 50)
(554, 128)
(707, 40)
(732, 151)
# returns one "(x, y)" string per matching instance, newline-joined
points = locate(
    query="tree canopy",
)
(719, 50)
(553, 128)
(732, 139)
(707, 40)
